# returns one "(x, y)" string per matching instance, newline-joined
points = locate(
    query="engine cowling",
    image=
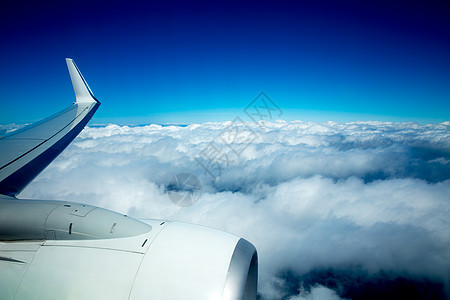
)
(93, 253)
(193, 262)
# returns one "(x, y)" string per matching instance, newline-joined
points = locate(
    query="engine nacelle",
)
(194, 262)
(76, 251)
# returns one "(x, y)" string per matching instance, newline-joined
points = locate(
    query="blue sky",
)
(196, 61)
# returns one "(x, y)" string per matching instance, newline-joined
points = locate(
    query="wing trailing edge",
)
(27, 152)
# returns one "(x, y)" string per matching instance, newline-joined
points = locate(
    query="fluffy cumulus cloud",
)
(336, 210)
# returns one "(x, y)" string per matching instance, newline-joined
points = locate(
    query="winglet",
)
(83, 93)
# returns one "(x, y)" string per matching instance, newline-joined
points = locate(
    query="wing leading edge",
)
(27, 152)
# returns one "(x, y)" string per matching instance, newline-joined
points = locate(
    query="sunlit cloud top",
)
(326, 204)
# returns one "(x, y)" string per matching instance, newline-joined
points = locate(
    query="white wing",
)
(25, 153)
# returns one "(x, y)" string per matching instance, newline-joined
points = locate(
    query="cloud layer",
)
(322, 202)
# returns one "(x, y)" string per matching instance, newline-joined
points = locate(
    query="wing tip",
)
(83, 93)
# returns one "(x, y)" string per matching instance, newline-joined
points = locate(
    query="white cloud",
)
(318, 292)
(308, 195)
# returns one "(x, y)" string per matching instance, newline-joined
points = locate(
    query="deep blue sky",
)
(192, 61)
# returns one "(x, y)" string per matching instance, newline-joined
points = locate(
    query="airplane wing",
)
(26, 152)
